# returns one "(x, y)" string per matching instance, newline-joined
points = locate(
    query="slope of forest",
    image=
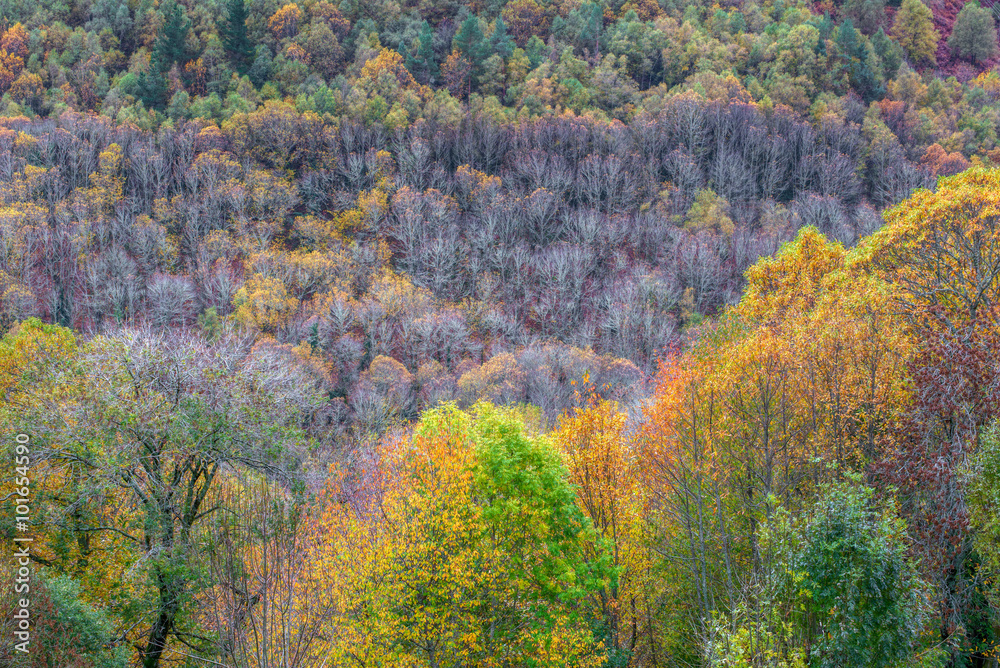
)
(424, 333)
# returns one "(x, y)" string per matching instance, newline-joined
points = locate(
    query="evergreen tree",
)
(171, 44)
(153, 83)
(420, 58)
(854, 51)
(500, 41)
(234, 36)
(170, 48)
(974, 36)
(591, 32)
(825, 26)
(471, 43)
(889, 52)
(535, 50)
(848, 39)
(260, 71)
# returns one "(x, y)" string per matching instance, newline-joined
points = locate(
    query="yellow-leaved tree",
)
(467, 548)
(804, 374)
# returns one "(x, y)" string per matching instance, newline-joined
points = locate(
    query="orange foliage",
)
(285, 22)
(10, 66)
(942, 163)
(15, 41)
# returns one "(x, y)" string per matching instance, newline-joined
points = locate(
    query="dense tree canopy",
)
(502, 334)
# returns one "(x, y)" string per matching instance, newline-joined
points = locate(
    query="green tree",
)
(420, 59)
(837, 590)
(480, 552)
(170, 49)
(234, 36)
(983, 500)
(535, 50)
(88, 626)
(868, 15)
(914, 30)
(582, 28)
(522, 484)
(171, 43)
(974, 35)
(501, 43)
(889, 52)
(471, 43)
(855, 53)
(853, 582)
(152, 84)
(152, 426)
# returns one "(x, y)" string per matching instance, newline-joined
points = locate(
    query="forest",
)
(524, 334)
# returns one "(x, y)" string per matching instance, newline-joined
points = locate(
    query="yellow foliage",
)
(708, 212)
(39, 363)
(790, 278)
(25, 349)
(397, 295)
(107, 183)
(264, 303)
(602, 455)
(408, 574)
(388, 63)
(940, 249)
(285, 22)
(809, 369)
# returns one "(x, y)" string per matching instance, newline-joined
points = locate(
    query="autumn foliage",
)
(503, 334)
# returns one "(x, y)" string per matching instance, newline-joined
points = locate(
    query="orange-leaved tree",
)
(598, 442)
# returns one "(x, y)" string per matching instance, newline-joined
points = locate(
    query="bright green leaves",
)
(984, 502)
(857, 588)
(476, 556)
(526, 498)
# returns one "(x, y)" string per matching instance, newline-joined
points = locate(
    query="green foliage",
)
(837, 590)
(500, 43)
(171, 41)
(889, 52)
(535, 49)
(523, 486)
(420, 58)
(974, 35)
(858, 593)
(235, 37)
(83, 626)
(914, 30)
(984, 499)
(210, 323)
(860, 72)
(471, 42)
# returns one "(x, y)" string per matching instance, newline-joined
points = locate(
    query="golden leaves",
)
(264, 303)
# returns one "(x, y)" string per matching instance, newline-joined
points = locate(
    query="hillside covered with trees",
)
(525, 334)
